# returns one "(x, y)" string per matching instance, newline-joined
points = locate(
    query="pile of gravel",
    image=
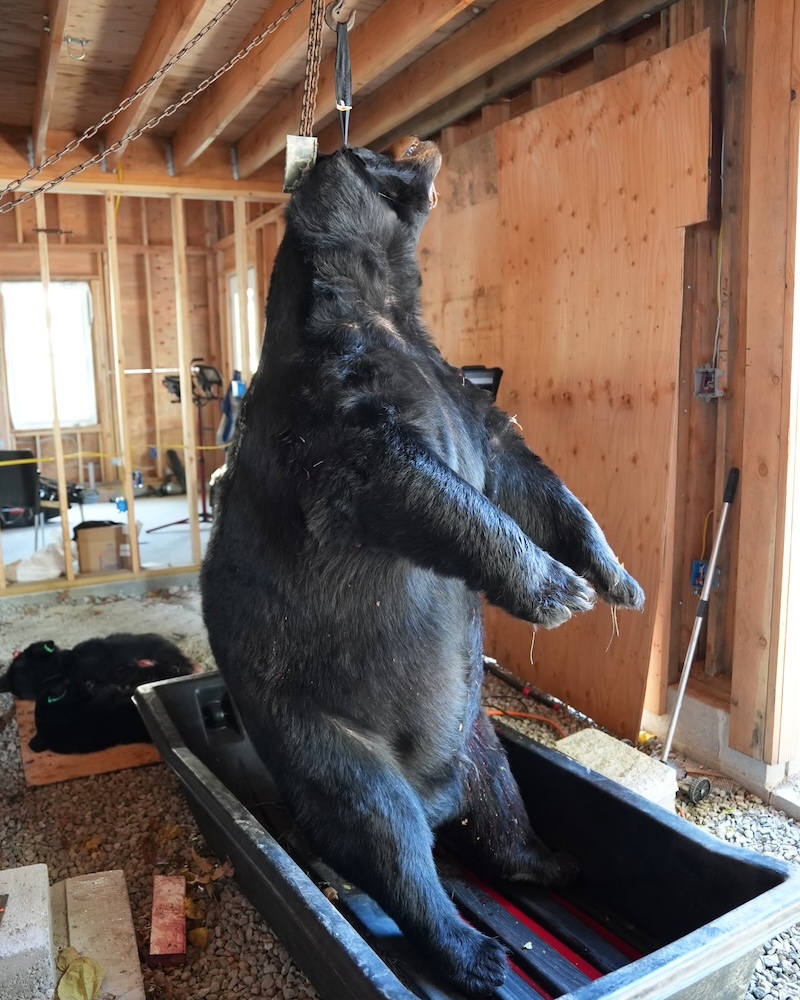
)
(138, 820)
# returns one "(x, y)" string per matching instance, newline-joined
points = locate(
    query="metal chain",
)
(126, 103)
(312, 67)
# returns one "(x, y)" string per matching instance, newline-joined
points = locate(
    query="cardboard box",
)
(102, 550)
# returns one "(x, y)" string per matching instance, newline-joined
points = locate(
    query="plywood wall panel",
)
(557, 253)
(82, 217)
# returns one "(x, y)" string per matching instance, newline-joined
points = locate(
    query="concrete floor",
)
(169, 547)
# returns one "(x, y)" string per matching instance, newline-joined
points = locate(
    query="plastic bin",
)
(662, 909)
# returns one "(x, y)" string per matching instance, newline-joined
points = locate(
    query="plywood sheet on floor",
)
(556, 252)
(47, 768)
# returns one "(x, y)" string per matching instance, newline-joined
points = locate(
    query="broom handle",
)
(702, 609)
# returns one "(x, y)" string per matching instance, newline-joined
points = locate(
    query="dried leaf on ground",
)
(93, 842)
(195, 909)
(82, 980)
(198, 936)
(167, 833)
(203, 864)
(224, 870)
(66, 957)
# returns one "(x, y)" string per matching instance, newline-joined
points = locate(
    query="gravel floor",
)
(137, 820)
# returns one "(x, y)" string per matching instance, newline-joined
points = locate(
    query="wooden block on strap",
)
(168, 925)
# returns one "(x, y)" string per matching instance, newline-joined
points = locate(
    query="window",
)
(253, 340)
(30, 389)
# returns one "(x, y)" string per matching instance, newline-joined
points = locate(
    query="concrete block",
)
(623, 764)
(100, 926)
(26, 959)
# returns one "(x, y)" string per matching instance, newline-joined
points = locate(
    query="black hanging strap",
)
(344, 83)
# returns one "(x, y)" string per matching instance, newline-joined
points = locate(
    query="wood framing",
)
(118, 348)
(151, 337)
(53, 32)
(146, 172)
(240, 245)
(169, 29)
(506, 28)
(220, 104)
(63, 502)
(567, 42)
(766, 577)
(375, 45)
(183, 327)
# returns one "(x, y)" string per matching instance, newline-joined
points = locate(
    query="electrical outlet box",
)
(707, 383)
(699, 568)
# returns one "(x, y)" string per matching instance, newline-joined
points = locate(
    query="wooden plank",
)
(376, 45)
(151, 334)
(47, 768)
(216, 108)
(48, 70)
(783, 687)
(240, 244)
(61, 478)
(145, 174)
(573, 285)
(608, 58)
(183, 327)
(120, 389)
(169, 29)
(762, 496)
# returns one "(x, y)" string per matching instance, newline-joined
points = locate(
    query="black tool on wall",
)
(206, 387)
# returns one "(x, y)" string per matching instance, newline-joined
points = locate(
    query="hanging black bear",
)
(370, 497)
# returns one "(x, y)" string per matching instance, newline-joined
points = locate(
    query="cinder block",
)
(168, 923)
(26, 959)
(100, 926)
(622, 763)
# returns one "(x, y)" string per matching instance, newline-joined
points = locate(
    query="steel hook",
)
(83, 42)
(332, 10)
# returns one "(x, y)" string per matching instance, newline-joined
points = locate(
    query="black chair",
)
(19, 489)
(26, 498)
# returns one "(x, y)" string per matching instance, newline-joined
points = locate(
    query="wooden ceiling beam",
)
(375, 45)
(505, 29)
(53, 35)
(579, 36)
(168, 31)
(216, 108)
(145, 174)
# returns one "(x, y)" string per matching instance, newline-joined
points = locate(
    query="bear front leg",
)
(400, 497)
(533, 495)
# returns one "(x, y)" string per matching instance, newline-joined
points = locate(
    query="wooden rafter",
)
(531, 65)
(169, 29)
(216, 108)
(375, 45)
(145, 172)
(499, 33)
(48, 69)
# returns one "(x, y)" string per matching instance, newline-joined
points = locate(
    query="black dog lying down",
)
(83, 694)
(370, 497)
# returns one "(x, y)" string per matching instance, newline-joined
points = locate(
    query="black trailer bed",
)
(661, 909)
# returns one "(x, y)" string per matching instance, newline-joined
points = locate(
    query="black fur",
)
(123, 659)
(82, 717)
(371, 495)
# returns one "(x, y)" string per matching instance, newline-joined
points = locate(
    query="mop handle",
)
(702, 609)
